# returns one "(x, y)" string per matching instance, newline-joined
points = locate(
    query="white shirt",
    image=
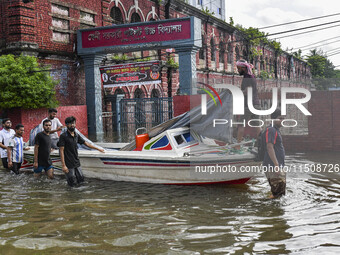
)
(4, 138)
(17, 145)
(55, 124)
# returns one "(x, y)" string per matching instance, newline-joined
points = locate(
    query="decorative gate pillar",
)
(187, 70)
(94, 96)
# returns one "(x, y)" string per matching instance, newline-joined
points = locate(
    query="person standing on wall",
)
(68, 149)
(244, 68)
(42, 151)
(56, 126)
(15, 148)
(5, 134)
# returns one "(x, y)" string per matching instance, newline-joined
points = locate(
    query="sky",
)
(261, 13)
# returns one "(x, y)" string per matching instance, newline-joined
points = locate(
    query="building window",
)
(221, 53)
(219, 11)
(213, 49)
(60, 26)
(237, 53)
(230, 53)
(60, 23)
(202, 50)
(139, 93)
(87, 17)
(60, 10)
(135, 18)
(116, 15)
(61, 37)
(200, 2)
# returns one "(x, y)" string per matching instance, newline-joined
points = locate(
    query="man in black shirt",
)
(42, 151)
(69, 152)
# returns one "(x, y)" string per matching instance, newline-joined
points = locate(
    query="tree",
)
(24, 84)
(322, 69)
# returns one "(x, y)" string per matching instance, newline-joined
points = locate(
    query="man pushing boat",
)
(69, 152)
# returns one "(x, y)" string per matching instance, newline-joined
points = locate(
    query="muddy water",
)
(104, 217)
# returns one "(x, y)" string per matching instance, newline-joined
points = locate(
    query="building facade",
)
(47, 29)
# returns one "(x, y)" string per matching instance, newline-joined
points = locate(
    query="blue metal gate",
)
(143, 112)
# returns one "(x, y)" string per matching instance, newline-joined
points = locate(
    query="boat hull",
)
(118, 166)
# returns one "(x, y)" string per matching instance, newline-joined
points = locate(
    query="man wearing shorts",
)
(42, 151)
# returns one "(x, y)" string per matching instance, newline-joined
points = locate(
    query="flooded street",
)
(105, 217)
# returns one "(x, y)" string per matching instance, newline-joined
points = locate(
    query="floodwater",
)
(105, 217)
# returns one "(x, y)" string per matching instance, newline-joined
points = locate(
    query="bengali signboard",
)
(135, 34)
(131, 74)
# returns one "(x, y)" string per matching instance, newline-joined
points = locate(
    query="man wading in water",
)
(42, 151)
(274, 158)
(69, 152)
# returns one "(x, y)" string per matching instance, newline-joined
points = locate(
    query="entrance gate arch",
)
(183, 34)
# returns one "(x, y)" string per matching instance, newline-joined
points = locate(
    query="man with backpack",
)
(274, 155)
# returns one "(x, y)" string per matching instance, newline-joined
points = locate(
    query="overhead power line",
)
(313, 47)
(302, 28)
(316, 42)
(305, 32)
(335, 53)
(298, 21)
(332, 50)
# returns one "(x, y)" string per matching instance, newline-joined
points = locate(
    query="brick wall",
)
(30, 118)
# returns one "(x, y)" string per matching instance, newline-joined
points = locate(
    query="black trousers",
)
(16, 167)
(4, 162)
(74, 176)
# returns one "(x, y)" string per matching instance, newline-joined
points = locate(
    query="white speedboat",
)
(175, 156)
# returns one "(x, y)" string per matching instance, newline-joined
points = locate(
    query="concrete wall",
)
(31, 118)
(323, 125)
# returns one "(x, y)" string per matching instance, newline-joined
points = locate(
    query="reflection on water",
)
(47, 217)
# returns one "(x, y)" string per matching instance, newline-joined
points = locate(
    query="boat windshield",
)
(183, 139)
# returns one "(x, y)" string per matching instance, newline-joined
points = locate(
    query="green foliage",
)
(23, 84)
(317, 61)
(256, 38)
(231, 21)
(142, 59)
(207, 11)
(119, 58)
(298, 54)
(322, 69)
(171, 63)
(264, 75)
